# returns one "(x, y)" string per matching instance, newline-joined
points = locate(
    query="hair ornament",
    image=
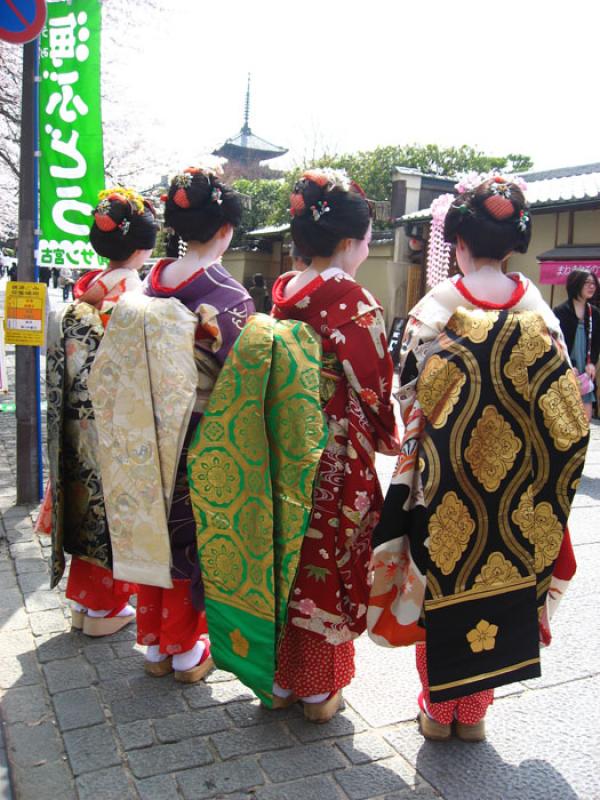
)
(181, 199)
(500, 188)
(297, 204)
(216, 196)
(523, 221)
(124, 226)
(329, 179)
(471, 180)
(438, 251)
(122, 195)
(321, 207)
(183, 180)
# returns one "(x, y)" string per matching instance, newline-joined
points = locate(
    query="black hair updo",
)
(493, 219)
(326, 207)
(123, 223)
(199, 204)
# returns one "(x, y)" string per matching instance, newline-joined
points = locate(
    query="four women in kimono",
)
(471, 549)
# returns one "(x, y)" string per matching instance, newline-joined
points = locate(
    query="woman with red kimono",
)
(327, 608)
(124, 231)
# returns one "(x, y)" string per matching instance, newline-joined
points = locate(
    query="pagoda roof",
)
(246, 146)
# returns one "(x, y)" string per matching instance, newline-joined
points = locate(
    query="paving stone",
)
(379, 667)
(192, 723)
(319, 788)
(19, 550)
(136, 734)
(202, 695)
(162, 787)
(16, 643)
(257, 739)
(128, 709)
(33, 745)
(526, 754)
(164, 758)
(10, 598)
(119, 667)
(127, 649)
(51, 780)
(25, 534)
(19, 671)
(106, 784)
(29, 704)
(78, 708)
(8, 579)
(42, 600)
(98, 653)
(27, 565)
(44, 622)
(68, 673)
(311, 759)
(220, 779)
(254, 713)
(90, 749)
(365, 748)
(58, 646)
(342, 724)
(376, 778)
(15, 619)
(218, 676)
(34, 581)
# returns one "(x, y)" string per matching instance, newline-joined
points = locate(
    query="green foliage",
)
(270, 200)
(373, 170)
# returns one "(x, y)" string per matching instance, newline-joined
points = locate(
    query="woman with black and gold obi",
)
(472, 552)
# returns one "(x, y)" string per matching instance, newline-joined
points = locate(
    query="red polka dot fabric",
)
(469, 709)
(309, 665)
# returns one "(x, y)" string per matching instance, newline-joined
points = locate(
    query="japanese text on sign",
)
(72, 165)
(25, 313)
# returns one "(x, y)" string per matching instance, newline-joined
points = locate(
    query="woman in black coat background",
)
(576, 315)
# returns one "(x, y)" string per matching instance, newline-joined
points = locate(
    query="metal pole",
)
(28, 454)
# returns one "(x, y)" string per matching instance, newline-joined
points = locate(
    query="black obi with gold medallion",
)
(501, 453)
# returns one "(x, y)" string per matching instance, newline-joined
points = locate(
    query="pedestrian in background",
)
(580, 324)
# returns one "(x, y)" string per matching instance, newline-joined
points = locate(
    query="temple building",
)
(245, 151)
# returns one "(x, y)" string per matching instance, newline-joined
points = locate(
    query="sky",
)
(327, 75)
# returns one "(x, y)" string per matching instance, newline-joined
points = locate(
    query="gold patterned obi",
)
(332, 373)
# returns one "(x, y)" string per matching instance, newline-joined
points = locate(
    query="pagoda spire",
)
(246, 126)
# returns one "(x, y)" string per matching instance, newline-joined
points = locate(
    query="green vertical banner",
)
(70, 131)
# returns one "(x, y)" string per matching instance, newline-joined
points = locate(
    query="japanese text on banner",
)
(72, 162)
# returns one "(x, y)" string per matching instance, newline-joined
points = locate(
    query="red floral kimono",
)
(328, 604)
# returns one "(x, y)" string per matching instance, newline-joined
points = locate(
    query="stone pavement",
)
(80, 719)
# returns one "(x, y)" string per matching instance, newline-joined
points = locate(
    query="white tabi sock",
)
(278, 691)
(128, 611)
(189, 659)
(154, 655)
(315, 698)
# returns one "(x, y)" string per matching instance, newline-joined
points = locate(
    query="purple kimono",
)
(222, 306)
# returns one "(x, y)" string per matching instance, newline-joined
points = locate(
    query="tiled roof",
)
(559, 187)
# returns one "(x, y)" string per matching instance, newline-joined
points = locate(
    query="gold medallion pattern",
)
(439, 389)
(539, 525)
(533, 343)
(483, 636)
(492, 450)
(497, 571)
(475, 323)
(450, 528)
(563, 412)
